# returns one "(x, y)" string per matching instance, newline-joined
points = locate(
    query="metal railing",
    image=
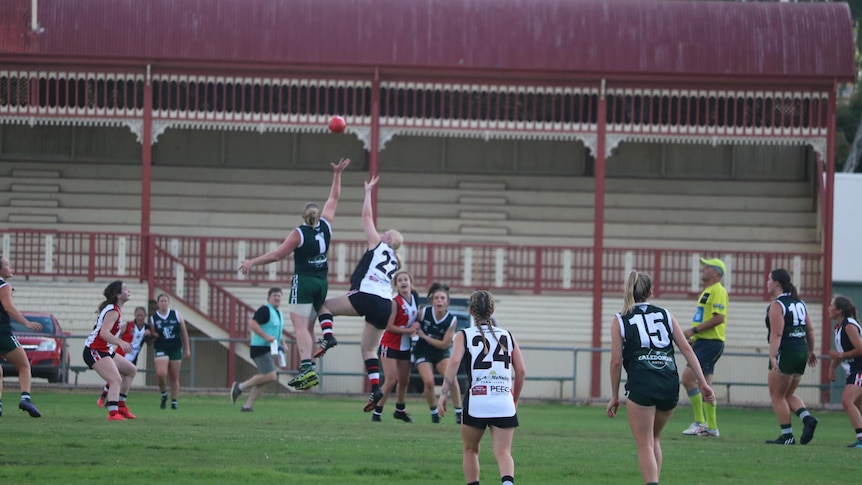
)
(553, 372)
(537, 269)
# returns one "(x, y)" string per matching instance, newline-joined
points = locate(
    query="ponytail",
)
(782, 277)
(637, 289)
(481, 305)
(311, 214)
(111, 294)
(845, 306)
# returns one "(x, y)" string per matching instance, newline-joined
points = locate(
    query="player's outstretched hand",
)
(341, 165)
(245, 266)
(371, 183)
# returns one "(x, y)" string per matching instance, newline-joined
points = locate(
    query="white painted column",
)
(179, 270)
(341, 264)
(629, 263)
(122, 254)
(695, 272)
(272, 269)
(49, 254)
(499, 266)
(241, 255)
(7, 246)
(179, 280)
(467, 279)
(797, 273)
(403, 253)
(727, 280)
(568, 263)
(204, 293)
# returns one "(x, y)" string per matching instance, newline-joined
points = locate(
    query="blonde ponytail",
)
(311, 214)
(637, 289)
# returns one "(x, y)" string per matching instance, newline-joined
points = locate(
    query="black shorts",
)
(375, 309)
(854, 379)
(92, 356)
(394, 354)
(482, 423)
(660, 404)
(8, 342)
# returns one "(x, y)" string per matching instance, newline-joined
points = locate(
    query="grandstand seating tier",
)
(526, 210)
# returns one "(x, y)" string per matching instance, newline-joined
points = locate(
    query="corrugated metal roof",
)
(666, 38)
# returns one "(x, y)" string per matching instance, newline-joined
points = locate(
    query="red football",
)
(337, 124)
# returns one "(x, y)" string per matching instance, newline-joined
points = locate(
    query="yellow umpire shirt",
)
(713, 300)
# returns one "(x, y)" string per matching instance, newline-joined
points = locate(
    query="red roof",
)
(587, 37)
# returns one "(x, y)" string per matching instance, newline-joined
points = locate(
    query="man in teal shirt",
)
(267, 329)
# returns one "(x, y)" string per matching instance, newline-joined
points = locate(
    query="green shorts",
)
(308, 289)
(172, 354)
(791, 362)
(427, 354)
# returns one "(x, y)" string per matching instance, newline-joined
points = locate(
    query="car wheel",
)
(55, 377)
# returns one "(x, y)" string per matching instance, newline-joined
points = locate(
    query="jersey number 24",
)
(500, 353)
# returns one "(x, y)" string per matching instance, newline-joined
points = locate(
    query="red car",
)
(47, 349)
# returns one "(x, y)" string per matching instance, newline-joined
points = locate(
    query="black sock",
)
(25, 396)
(378, 409)
(325, 321)
(508, 480)
(372, 368)
(400, 406)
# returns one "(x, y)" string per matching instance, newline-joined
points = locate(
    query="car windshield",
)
(47, 325)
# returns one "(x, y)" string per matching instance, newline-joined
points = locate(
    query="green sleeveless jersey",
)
(433, 328)
(648, 355)
(794, 337)
(309, 258)
(168, 328)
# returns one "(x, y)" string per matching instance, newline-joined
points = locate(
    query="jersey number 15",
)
(652, 330)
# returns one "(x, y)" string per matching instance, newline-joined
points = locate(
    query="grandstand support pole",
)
(598, 244)
(146, 182)
(828, 185)
(374, 149)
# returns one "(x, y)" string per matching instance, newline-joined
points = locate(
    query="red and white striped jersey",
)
(95, 341)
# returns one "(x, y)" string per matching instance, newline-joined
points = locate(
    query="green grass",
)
(313, 439)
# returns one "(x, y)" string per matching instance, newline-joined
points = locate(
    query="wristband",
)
(694, 330)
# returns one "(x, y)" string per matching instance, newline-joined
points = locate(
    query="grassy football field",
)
(301, 439)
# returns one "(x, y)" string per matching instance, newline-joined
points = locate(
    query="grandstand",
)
(542, 170)
(754, 215)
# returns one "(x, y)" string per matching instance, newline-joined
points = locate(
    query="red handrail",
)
(463, 266)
